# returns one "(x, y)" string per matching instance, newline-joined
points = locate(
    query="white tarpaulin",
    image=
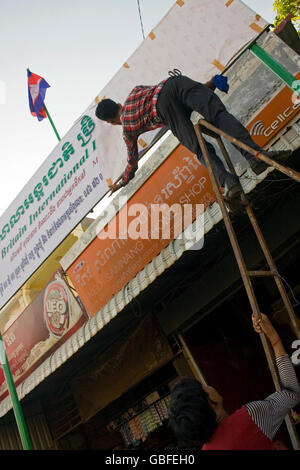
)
(198, 37)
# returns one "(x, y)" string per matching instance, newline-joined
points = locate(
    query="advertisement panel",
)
(56, 199)
(52, 317)
(274, 116)
(134, 235)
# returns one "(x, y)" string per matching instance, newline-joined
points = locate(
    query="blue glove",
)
(221, 83)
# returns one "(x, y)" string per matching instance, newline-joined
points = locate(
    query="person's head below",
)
(109, 111)
(193, 412)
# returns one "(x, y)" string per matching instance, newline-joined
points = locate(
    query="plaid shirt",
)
(138, 115)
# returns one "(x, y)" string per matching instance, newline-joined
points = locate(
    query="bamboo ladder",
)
(204, 127)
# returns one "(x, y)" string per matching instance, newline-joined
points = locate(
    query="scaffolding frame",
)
(204, 127)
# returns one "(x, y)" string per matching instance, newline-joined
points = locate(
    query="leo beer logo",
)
(56, 308)
(274, 117)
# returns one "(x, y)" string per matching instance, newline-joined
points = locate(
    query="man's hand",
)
(214, 396)
(114, 187)
(216, 402)
(264, 325)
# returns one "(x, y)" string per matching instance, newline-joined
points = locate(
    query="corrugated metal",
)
(62, 412)
(290, 137)
(40, 435)
(287, 139)
(9, 438)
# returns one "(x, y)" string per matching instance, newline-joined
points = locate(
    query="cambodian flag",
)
(37, 87)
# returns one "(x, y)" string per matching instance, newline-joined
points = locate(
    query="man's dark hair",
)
(191, 417)
(107, 109)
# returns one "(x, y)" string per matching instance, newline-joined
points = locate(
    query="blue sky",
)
(77, 46)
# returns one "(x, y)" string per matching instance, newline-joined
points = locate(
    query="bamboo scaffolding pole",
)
(245, 274)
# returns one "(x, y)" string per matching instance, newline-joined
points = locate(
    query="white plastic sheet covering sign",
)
(198, 37)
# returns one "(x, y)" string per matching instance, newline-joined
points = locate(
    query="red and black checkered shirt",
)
(138, 115)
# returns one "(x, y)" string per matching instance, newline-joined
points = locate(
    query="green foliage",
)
(283, 8)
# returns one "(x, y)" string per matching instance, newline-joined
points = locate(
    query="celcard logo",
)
(258, 128)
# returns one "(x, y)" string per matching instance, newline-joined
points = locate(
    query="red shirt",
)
(238, 432)
(138, 115)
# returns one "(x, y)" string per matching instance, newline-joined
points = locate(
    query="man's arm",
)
(269, 414)
(132, 157)
(132, 162)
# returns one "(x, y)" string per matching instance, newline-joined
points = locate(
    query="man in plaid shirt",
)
(171, 103)
(138, 115)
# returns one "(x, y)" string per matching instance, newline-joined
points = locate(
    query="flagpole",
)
(21, 423)
(51, 122)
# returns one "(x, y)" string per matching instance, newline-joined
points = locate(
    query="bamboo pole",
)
(286, 170)
(191, 361)
(245, 274)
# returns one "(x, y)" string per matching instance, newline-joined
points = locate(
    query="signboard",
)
(274, 116)
(44, 325)
(56, 199)
(110, 263)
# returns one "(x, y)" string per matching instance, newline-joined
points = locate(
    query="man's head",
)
(109, 111)
(192, 417)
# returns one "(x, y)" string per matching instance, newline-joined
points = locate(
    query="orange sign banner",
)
(274, 116)
(109, 264)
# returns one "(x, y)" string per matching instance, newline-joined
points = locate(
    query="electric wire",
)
(266, 179)
(291, 291)
(141, 21)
